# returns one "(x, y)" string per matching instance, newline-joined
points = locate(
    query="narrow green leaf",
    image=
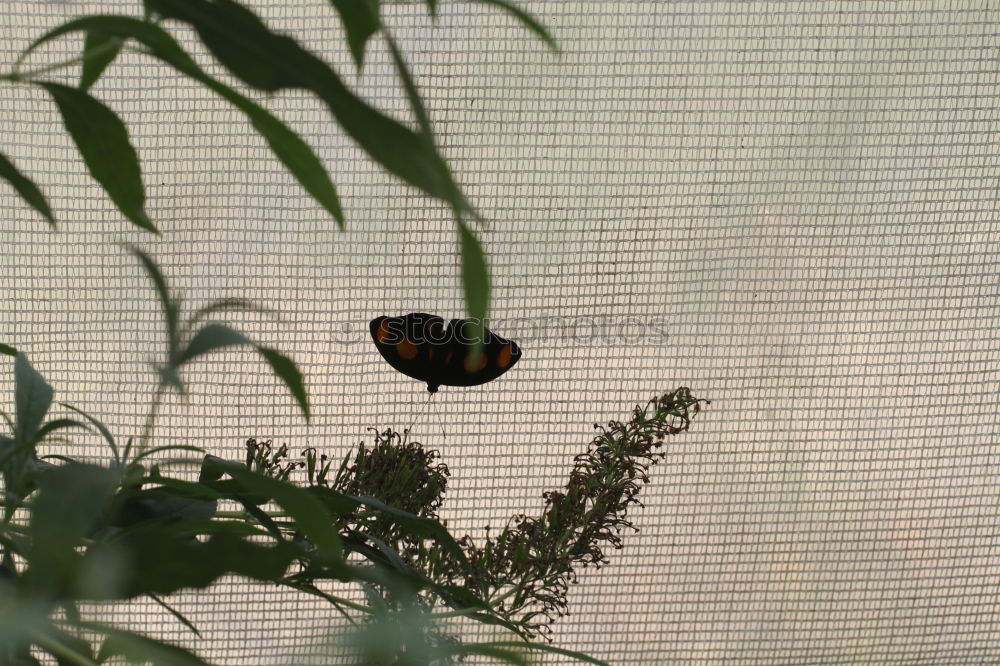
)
(503, 654)
(57, 424)
(423, 527)
(412, 93)
(230, 305)
(177, 614)
(542, 647)
(476, 282)
(361, 21)
(169, 447)
(527, 19)
(289, 373)
(170, 307)
(32, 398)
(99, 50)
(27, 189)
(101, 428)
(8, 350)
(104, 145)
(311, 518)
(139, 649)
(271, 62)
(209, 338)
(293, 152)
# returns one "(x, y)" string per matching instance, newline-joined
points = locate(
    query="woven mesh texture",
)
(798, 198)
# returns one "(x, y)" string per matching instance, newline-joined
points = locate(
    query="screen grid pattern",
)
(800, 197)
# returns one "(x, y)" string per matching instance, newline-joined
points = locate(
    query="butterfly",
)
(421, 346)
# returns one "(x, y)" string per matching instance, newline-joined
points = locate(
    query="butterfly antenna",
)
(430, 396)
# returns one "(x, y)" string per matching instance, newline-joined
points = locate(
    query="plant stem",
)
(154, 409)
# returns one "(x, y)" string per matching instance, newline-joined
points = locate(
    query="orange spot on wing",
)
(447, 359)
(382, 335)
(503, 358)
(407, 350)
(474, 364)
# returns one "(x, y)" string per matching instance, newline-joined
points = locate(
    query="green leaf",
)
(169, 447)
(211, 469)
(227, 305)
(416, 103)
(170, 308)
(139, 649)
(293, 152)
(542, 647)
(70, 502)
(27, 189)
(162, 557)
(177, 614)
(99, 50)
(311, 517)
(503, 654)
(361, 21)
(272, 62)
(134, 506)
(476, 282)
(289, 373)
(32, 398)
(57, 424)
(7, 350)
(422, 527)
(210, 338)
(104, 145)
(338, 503)
(101, 428)
(527, 19)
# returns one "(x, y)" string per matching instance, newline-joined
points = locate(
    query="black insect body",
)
(421, 346)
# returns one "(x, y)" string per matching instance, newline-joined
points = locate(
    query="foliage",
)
(265, 61)
(524, 572)
(126, 530)
(133, 527)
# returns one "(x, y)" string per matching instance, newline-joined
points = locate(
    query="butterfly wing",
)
(420, 346)
(411, 344)
(498, 356)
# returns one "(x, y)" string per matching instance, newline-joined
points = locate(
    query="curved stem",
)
(154, 410)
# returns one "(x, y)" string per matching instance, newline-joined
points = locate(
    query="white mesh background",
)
(805, 191)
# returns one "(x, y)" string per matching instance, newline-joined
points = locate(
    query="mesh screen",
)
(799, 197)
